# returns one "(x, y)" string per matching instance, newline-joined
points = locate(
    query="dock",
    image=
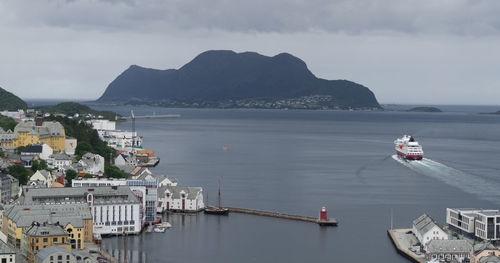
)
(403, 242)
(310, 219)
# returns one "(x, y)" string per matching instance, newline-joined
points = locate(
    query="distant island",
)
(425, 109)
(226, 79)
(73, 108)
(11, 102)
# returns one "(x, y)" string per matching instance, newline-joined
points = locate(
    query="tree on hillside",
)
(20, 172)
(70, 175)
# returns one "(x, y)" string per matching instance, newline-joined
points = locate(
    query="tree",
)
(70, 175)
(20, 172)
(39, 165)
(114, 172)
(18, 149)
(87, 176)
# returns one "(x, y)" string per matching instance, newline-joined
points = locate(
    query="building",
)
(447, 250)
(59, 160)
(5, 188)
(180, 198)
(91, 164)
(76, 219)
(7, 254)
(14, 186)
(27, 133)
(41, 235)
(482, 224)
(42, 151)
(114, 209)
(489, 259)
(103, 125)
(54, 254)
(483, 249)
(43, 176)
(426, 229)
(145, 190)
(70, 145)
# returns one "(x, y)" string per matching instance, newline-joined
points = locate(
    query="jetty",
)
(154, 116)
(403, 241)
(310, 219)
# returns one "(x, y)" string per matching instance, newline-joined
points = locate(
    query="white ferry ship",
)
(408, 148)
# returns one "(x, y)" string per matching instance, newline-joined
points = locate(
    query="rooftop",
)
(445, 246)
(67, 195)
(47, 251)
(44, 229)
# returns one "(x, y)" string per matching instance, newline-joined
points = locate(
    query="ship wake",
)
(469, 183)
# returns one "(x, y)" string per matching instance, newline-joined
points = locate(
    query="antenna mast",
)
(132, 115)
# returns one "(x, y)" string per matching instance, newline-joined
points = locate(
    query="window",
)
(54, 239)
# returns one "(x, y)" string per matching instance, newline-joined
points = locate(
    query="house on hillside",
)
(91, 164)
(43, 176)
(59, 160)
(42, 151)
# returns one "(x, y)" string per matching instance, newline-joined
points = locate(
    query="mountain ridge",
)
(224, 76)
(11, 102)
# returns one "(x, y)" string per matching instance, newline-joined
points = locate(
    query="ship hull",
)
(409, 157)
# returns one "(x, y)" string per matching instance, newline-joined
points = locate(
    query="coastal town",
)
(60, 195)
(470, 235)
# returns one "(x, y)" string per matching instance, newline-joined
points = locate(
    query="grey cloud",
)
(461, 17)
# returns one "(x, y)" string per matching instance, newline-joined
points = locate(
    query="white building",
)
(426, 229)
(180, 198)
(480, 223)
(7, 254)
(121, 139)
(70, 145)
(103, 125)
(59, 160)
(54, 254)
(91, 164)
(43, 176)
(114, 209)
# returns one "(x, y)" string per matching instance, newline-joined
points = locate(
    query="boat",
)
(408, 148)
(161, 227)
(216, 210)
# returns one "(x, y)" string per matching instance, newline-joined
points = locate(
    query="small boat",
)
(162, 227)
(216, 210)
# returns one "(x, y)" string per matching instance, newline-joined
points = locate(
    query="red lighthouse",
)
(322, 214)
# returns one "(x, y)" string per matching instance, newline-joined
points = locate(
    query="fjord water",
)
(297, 161)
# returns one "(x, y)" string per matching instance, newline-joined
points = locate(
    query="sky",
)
(405, 51)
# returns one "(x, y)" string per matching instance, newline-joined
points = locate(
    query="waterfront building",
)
(114, 209)
(180, 198)
(448, 250)
(483, 249)
(426, 229)
(54, 254)
(478, 223)
(76, 219)
(7, 254)
(145, 190)
(27, 133)
(41, 235)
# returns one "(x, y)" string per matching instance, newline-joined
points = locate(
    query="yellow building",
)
(39, 236)
(27, 133)
(75, 219)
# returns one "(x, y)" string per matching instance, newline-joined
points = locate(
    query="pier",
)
(327, 222)
(403, 243)
(154, 116)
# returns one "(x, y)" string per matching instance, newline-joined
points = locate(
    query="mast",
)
(133, 128)
(219, 195)
(391, 219)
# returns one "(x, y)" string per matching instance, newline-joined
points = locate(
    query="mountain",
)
(11, 102)
(226, 76)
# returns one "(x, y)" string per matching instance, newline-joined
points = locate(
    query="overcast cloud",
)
(406, 51)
